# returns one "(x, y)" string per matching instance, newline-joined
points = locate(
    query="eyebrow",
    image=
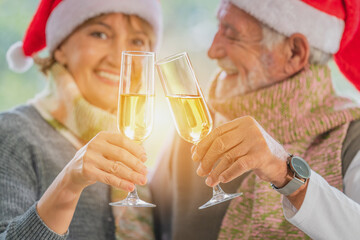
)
(232, 27)
(110, 28)
(140, 32)
(98, 23)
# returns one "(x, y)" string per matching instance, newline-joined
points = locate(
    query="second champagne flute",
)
(189, 110)
(136, 104)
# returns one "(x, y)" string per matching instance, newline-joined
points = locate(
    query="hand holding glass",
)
(189, 110)
(136, 103)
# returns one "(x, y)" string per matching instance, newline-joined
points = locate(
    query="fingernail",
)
(142, 180)
(221, 179)
(193, 148)
(144, 170)
(209, 181)
(131, 188)
(143, 158)
(200, 171)
(195, 157)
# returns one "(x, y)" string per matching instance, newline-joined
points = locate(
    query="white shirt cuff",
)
(298, 216)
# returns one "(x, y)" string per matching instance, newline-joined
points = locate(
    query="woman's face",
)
(92, 55)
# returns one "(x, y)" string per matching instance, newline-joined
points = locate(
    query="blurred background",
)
(189, 25)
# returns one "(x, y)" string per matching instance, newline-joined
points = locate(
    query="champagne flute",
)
(136, 104)
(189, 110)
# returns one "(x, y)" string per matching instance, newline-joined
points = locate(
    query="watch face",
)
(301, 167)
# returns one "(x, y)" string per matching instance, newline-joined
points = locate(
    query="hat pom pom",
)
(17, 60)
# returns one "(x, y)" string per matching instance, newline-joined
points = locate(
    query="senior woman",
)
(58, 153)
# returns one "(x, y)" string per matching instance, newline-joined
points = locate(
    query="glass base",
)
(132, 200)
(132, 203)
(219, 196)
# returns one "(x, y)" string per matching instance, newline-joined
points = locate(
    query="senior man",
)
(274, 109)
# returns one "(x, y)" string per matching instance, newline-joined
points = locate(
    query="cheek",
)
(82, 62)
(83, 57)
(245, 57)
(268, 60)
(273, 65)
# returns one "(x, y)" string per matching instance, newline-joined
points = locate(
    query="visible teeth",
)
(110, 76)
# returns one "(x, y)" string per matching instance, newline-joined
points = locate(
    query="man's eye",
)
(100, 35)
(229, 34)
(232, 38)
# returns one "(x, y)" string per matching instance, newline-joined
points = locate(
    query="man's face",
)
(246, 64)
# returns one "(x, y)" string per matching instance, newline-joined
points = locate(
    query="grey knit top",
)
(32, 154)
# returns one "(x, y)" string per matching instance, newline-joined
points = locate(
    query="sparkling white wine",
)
(135, 115)
(191, 116)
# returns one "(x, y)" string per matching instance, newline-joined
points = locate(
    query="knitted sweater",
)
(32, 154)
(178, 191)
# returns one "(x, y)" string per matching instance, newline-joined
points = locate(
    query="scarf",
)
(64, 108)
(303, 114)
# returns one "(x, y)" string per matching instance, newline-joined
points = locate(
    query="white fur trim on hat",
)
(71, 13)
(322, 30)
(17, 60)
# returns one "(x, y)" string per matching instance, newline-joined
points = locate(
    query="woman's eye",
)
(138, 42)
(100, 35)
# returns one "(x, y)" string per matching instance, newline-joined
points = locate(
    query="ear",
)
(298, 53)
(60, 56)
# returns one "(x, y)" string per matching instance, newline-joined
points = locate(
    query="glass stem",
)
(217, 190)
(133, 194)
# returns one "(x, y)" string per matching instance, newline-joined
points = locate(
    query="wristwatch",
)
(301, 171)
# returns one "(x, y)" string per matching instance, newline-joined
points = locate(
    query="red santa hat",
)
(54, 20)
(332, 26)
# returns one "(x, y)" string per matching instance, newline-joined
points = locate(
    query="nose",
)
(217, 50)
(114, 56)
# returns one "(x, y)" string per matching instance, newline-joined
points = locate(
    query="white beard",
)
(231, 87)
(226, 88)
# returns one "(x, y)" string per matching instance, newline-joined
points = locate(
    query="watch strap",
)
(291, 187)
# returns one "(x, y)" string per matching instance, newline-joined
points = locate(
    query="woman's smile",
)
(108, 77)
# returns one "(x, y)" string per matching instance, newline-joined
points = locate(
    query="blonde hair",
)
(46, 63)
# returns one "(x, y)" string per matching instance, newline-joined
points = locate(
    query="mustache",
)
(227, 65)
